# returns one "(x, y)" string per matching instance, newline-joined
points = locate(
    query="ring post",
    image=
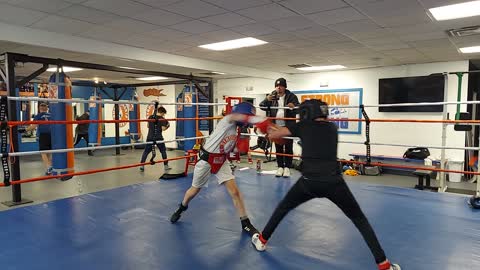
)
(443, 181)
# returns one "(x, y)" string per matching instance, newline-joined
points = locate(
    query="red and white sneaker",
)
(258, 242)
(388, 266)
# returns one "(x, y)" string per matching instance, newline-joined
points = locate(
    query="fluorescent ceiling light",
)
(463, 10)
(65, 69)
(154, 78)
(219, 73)
(474, 49)
(332, 67)
(233, 44)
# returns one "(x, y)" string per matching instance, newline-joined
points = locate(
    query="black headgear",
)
(312, 109)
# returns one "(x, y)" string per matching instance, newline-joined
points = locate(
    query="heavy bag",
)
(417, 153)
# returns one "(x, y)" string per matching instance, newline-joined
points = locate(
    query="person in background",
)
(44, 135)
(81, 131)
(155, 129)
(282, 97)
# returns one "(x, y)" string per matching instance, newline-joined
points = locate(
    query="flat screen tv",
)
(412, 90)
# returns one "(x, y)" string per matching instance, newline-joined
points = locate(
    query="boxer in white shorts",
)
(213, 155)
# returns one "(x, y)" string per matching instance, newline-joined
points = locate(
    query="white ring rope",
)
(56, 151)
(384, 144)
(389, 105)
(109, 101)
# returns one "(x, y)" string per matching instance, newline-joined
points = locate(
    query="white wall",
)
(169, 91)
(403, 133)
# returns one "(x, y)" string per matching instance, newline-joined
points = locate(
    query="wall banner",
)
(334, 98)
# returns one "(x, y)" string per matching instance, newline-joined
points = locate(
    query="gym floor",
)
(128, 227)
(45, 191)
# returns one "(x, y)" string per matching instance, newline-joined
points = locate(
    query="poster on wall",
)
(335, 98)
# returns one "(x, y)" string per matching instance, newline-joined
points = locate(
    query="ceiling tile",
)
(439, 3)
(433, 43)
(254, 29)
(423, 36)
(291, 23)
(222, 35)
(158, 3)
(58, 24)
(355, 26)
(343, 45)
(142, 41)
(297, 43)
(309, 6)
(120, 7)
(167, 33)
(415, 29)
(41, 5)
(19, 16)
(403, 53)
(378, 41)
(458, 23)
(131, 25)
(160, 17)
(266, 12)
(389, 46)
(238, 4)
(402, 18)
(195, 27)
(228, 20)
(278, 37)
(336, 16)
(195, 9)
(314, 32)
(331, 39)
(87, 14)
(76, 1)
(106, 34)
(194, 40)
(378, 33)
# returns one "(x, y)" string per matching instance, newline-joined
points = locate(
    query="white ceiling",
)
(354, 33)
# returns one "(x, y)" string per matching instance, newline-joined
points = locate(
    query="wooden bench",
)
(427, 174)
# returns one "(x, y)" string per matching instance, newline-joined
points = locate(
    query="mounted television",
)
(412, 90)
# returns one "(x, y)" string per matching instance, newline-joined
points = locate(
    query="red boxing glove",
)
(263, 126)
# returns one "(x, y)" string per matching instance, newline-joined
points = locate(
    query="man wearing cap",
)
(282, 97)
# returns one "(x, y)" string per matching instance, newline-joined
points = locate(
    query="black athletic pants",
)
(148, 150)
(337, 191)
(79, 137)
(287, 148)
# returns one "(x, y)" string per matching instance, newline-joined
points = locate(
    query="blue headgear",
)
(244, 108)
(312, 109)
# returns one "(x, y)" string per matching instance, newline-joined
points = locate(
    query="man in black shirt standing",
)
(155, 129)
(321, 177)
(81, 131)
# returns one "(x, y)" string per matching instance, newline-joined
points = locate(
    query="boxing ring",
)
(128, 228)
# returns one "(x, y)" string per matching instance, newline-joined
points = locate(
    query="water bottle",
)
(259, 166)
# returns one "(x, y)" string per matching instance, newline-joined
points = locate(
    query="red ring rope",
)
(48, 177)
(383, 164)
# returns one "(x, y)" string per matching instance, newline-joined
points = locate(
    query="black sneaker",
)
(178, 213)
(249, 228)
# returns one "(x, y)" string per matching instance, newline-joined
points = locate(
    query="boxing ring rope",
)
(445, 122)
(381, 164)
(476, 102)
(49, 177)
(103, 147)
(126, 102)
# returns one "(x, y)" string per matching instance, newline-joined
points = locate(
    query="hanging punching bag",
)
(62, 135)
